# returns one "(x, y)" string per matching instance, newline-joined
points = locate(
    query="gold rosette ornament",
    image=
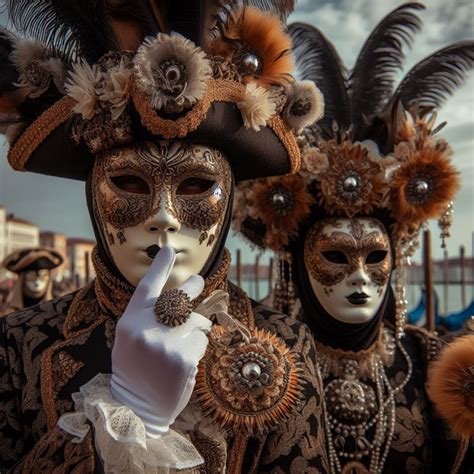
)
(251, 385)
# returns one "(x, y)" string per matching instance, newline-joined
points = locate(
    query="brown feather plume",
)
(451, 385)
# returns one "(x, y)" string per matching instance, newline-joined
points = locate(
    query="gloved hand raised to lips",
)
(154, 366)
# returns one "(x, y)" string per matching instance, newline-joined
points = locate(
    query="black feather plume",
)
(75, 27)
(372, 79)
(317, 60)
(430, 82)
(9, 74)
(79, 27)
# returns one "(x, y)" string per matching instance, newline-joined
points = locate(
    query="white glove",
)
(154, 366)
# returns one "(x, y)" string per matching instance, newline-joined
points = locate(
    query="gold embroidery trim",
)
(288, 140)
(73, 313)
(218, 90)
(37, 132)
(341, 354)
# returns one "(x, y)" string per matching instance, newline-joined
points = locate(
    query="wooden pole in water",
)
(428, 267)
(239, 269)
(445, 281)
(462, 254)
(257, 269)
(270, 276)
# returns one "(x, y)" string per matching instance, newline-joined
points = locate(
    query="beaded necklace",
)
(360, 417)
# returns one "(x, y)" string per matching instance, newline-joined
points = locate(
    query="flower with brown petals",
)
(353, 184)
(256, 43)
(281, 204)
(423, 186)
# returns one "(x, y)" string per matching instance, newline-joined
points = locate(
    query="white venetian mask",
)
(35, 283)
(349, 264)
(149, 195)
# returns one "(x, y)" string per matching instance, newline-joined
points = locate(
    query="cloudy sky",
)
(59, 205)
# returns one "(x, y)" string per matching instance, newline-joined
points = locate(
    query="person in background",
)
(34, 282)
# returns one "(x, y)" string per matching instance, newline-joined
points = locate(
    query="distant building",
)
(57, 242)
(15, 234)
(77, 251)
(20, 234)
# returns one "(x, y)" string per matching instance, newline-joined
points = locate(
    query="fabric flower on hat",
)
(257, 107)
(116, 89)
(38, 68)
(424, 185)
(281, 204)
(305, 105)
(81, 86)
(353, 184)
(256, 43)
(173, 71)
(313, 163)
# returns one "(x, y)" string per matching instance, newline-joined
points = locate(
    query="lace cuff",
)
(120, 435)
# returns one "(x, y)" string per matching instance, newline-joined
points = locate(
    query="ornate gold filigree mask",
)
(349, 263)
(152, 194)
(35, 283)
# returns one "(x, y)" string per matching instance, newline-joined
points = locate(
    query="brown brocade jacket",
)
(49, 351)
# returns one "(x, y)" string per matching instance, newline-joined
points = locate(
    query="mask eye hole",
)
(131, 184)
(335, 256)
(376, 256)
(191, 186)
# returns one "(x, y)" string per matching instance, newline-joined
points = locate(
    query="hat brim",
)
(251, 154)
(33, 259)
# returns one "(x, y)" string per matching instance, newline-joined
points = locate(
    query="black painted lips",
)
(358, 298)
(152, 250)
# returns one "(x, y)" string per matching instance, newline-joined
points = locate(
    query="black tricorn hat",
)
(220, 94)
(33, 259)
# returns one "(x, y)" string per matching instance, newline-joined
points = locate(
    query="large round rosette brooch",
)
(250, 385)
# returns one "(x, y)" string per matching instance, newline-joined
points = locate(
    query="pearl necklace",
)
(352, 408)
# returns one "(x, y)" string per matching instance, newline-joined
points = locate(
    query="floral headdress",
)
(387, 161)
(230, 88)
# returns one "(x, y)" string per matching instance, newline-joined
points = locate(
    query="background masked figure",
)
(373, 172)
(34, 283)
(159, 129)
